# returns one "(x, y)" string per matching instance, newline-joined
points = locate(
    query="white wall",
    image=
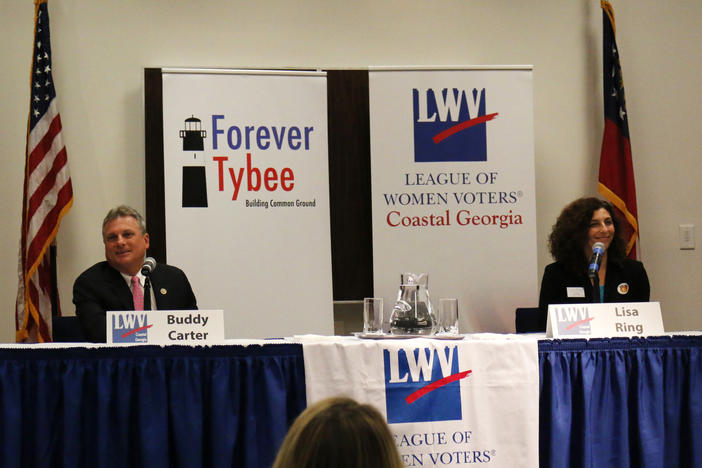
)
(101, 48)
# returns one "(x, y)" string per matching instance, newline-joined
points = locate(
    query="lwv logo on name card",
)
(604, 320)
(178, 327)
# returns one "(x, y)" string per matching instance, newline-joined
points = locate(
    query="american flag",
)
(48, 193)
(616, 181)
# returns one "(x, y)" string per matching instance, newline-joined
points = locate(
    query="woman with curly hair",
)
(339, 433)
(580, 225)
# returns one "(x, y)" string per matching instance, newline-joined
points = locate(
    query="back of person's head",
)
(339, 433)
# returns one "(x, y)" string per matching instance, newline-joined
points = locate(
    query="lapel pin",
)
(623, 288)
(163, 291)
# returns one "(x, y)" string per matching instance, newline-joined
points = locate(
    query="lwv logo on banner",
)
(450, 125)
(422, 384)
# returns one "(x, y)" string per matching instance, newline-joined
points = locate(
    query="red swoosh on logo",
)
(462, 126)
(434, 385)
(136, 330)
(579, 323)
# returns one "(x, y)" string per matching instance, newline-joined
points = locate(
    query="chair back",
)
(529, 320)
(67, 329)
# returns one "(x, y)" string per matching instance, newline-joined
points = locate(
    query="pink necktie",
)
(137, 294)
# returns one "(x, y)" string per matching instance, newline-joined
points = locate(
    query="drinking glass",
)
(448, 316)
(373, 315)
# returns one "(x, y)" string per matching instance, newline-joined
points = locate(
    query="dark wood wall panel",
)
(349, 184)
(153, 144)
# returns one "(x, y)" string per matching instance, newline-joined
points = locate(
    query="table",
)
(603, 403)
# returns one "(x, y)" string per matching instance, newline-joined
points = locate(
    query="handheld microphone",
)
(596, 259)
(149, 266)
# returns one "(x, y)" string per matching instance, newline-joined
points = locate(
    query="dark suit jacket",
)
(101, 288)
(557, 278)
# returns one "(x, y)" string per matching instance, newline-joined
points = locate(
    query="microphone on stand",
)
(598, 251)
(146, 270)
(149, 266)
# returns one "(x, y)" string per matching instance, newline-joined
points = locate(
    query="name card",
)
(604, 320)
(164, 327)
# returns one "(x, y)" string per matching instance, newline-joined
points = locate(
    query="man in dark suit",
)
(109, 285)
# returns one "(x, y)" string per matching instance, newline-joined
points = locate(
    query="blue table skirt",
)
(148, 406)
(621, 403)
(604, 403)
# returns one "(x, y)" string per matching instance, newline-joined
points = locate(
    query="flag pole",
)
(55, 306)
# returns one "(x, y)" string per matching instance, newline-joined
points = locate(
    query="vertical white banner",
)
(452, 180)
(247, 197)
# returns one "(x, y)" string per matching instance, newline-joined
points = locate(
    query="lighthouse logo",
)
(194, 177)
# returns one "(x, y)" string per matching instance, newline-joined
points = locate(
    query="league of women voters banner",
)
(247, 196)
(448, 402)
(452, 182)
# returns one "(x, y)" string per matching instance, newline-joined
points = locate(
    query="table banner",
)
(448, 403)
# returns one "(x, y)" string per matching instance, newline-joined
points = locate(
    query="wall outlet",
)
(687, 236)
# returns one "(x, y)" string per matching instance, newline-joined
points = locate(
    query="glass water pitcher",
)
(413, 313)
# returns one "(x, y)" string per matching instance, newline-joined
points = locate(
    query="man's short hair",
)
(124, 210)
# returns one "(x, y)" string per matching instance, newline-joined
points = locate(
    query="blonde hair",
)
(341, 433)
(124, 210)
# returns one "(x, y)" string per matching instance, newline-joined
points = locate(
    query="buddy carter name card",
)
(182, 327)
